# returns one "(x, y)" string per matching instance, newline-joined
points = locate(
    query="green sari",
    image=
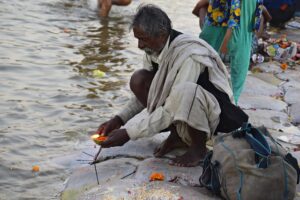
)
(239, 45)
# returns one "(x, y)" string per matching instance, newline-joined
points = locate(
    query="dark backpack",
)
(247, 164)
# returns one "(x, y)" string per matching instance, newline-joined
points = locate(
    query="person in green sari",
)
(229, 28)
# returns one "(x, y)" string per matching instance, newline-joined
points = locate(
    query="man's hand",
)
(110, 125)
(116, 138)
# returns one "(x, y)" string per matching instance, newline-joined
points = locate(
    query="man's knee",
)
(140, 84)
(141, 80)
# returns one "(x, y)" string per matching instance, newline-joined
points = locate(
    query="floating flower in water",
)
(155, 176)
(67, 30)
(98, 139)
(35, 168)
(98, 73)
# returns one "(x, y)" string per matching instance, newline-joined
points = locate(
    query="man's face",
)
(151, 45)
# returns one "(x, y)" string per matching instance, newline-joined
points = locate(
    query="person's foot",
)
(172, 142)
(193, 157)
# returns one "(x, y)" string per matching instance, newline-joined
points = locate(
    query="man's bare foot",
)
(172, 142)
(193, 157)
(195, 152)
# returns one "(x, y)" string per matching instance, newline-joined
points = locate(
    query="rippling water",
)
(49, 99)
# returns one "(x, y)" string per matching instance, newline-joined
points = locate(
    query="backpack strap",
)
(294, 163)
(210, 175)
(257, 142)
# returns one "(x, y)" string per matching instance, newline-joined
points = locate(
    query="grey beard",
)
(149, 51)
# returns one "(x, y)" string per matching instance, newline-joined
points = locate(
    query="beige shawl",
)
(182, 47)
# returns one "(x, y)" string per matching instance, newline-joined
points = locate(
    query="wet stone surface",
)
(188, 176)
(260, 87)
(295, 113)
(262, 102)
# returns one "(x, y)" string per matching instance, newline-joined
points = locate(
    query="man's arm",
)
(199, 5)
(132, 108)
(223, 48)
(200, 10)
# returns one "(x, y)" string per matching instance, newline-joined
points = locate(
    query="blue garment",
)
(226, 13)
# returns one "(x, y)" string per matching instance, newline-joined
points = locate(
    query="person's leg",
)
(140, 83)
(195, 114)
(196, 151)
(104, 7)
(213, 35)
(240, 48)
(173, 141)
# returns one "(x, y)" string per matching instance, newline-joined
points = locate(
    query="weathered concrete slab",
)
(295, 113)
(255, 86)
(277, 134)
(130, 189)
(269, 78)
(289, 75)
(272, 120)
(268, 67)
(290, 84)
(261, 102)
(292, 79)
(84, 177)
(269, 118)
(292, 95)
(188, 176)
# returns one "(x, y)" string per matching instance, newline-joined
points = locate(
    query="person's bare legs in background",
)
(104, 6)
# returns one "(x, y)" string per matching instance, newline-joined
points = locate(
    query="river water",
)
(49, 98)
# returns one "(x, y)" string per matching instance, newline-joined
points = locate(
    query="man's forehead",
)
(139, 32)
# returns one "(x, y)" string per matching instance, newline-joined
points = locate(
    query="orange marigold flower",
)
(283, 66)
(155, 176)
(35, 168)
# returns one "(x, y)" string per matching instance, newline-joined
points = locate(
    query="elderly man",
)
(184, 86)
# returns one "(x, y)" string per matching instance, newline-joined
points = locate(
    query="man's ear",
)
(163, 36)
